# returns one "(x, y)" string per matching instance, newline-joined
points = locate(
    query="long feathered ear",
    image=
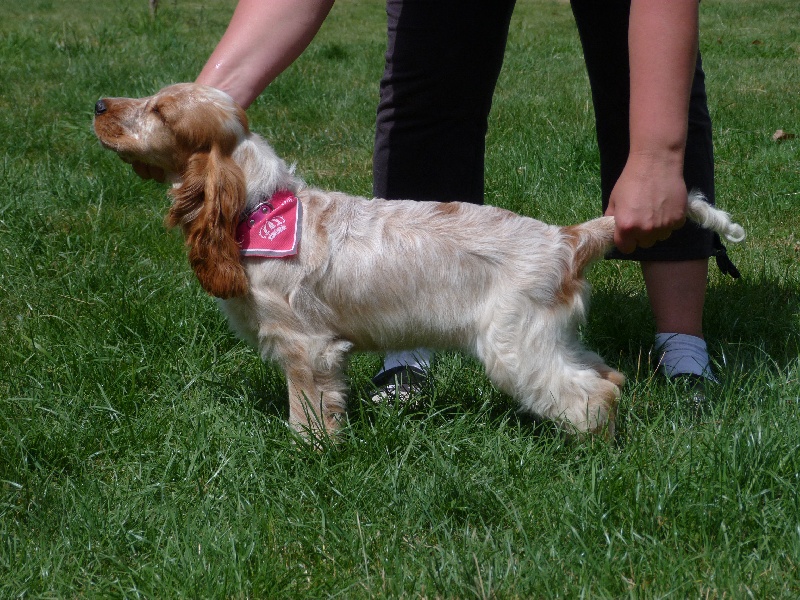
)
(207, 206)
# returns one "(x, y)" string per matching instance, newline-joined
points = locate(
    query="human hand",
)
(648, 202)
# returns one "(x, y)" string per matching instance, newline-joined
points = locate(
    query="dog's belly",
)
(370, 326)
(398, 331)
(405, 313)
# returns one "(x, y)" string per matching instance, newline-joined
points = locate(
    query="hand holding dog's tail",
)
(595, 238)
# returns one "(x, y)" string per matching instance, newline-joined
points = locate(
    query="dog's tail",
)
(593, 239)
(708, 217)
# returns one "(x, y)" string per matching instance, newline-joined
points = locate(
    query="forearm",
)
(263, 38)
(662, 41)
(649, 198)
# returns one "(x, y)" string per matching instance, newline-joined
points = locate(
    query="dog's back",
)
(392, 266)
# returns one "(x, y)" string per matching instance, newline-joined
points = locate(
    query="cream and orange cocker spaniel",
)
(306, 275)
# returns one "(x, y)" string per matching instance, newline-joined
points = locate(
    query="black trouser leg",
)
(442, 64)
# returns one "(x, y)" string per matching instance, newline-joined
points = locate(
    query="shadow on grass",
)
(459, 388)
(759, 319)
(748, 323)
(751, 325)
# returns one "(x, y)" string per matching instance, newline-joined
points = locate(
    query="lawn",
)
(143, 450)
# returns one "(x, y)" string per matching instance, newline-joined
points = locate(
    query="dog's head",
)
(190, 131)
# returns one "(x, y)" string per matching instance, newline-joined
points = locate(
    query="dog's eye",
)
(157, 112)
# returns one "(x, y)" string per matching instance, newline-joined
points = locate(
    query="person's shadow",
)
(748, 324)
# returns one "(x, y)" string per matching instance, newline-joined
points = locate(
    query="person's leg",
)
(675, 271)
(442, 63)
(677, 294)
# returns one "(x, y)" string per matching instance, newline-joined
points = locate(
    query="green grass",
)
(143, 451)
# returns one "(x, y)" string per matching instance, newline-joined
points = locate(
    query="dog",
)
(347, 273)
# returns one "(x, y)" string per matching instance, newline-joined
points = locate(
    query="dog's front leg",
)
(312, 409)
(317, 399)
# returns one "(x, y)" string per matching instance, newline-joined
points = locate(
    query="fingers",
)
(629, 237)
(625, 243)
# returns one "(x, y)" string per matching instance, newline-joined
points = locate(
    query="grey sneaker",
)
(398, 384)
(694, 388)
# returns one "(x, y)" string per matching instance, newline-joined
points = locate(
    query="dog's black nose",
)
(100, 107)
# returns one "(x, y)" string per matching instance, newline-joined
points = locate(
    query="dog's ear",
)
(208, 205)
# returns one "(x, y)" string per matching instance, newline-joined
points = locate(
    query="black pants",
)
(442, 64)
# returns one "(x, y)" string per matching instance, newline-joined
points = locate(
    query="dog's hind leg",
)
(590, 393)
(540, 362)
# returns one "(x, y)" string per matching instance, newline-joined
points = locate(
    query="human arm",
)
(649, 199)
(262, 39)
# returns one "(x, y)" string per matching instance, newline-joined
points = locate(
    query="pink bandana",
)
(272, 229)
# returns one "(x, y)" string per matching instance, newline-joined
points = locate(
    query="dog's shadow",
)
(457, 387)
(747, 322)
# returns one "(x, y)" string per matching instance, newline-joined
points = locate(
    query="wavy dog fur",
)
(375, 274)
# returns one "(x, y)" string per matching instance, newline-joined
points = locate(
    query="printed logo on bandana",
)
(272, 229)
